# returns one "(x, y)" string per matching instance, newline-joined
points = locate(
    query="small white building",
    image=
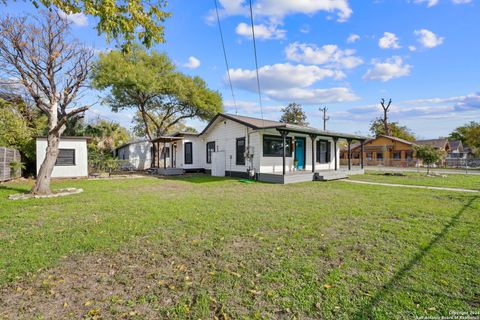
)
(72, 161)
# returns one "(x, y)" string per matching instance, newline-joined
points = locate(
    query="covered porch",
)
(320, 167)
(164, 160)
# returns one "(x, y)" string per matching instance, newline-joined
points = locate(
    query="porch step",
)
(327, 176)
(170, 171)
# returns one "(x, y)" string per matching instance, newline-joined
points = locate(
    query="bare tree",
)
(385, 115)
(53, 68)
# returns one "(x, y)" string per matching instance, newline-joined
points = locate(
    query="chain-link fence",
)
(415, 163)
(10, 164)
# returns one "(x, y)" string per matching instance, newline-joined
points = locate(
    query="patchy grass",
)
(202, 247)
(421, 179)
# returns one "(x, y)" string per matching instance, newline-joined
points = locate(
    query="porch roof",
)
(167, 139)
(314, 131)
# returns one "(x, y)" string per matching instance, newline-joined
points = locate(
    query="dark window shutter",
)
(318, 151)
(188, 153)
(329, 152)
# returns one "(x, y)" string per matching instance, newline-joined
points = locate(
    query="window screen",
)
(210, 149)
(240, 151)
(66, 157)
(272, 146)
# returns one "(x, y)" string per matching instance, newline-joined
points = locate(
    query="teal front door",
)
(300, 153)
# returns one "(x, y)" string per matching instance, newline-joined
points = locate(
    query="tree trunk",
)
(42, 185)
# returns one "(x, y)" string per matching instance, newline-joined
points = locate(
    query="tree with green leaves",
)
(469, 134)
(428, 154)
(294, 114)
(149, 84)
(52, 68)
(125, 21)
(377, 127)
(20, 124)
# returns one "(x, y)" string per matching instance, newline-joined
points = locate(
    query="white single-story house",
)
(240, 146)
(72, 161)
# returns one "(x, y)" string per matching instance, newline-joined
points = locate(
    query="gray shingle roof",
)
(436, 143)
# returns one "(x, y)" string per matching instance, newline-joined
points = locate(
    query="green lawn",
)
(201, 247)
(412, 178)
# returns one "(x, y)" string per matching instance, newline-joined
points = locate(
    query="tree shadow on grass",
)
(21, 190)
(196, 178)
(367, 311)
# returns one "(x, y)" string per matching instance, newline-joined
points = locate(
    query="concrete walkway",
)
(433, 170)
(411, 186)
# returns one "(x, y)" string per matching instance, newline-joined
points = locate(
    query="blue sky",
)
(342, 54)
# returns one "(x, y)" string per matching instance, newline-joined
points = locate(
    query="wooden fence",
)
(7, 156)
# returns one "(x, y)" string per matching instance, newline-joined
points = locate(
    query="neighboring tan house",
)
(271, 151)
(72, 160)
(382, 150)
(441, 144)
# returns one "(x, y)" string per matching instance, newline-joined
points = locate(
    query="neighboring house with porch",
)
(271, 151)
(382, 150)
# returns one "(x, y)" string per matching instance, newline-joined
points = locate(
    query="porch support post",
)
(171, 154)
(284, 135)
(349, 141)
(361, 153)
(313, 137)
(335, 140)
(164, 156)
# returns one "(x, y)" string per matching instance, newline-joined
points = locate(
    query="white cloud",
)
(193, 63)
(305, 29)
(262, 31)
(428, 39)
(329, 55)
(431, 108)
(281, 76)
(250, 107)
(287, 82)
(389, 41)
(314, 96)
(353, 38)
(389, 69)
(412, 48)
(430, 3)
(278, 9)
(78, 19)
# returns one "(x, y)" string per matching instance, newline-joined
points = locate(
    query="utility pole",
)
(325, 118)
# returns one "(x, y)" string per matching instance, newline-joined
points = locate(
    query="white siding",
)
(138, 154)
(225, 133)
(80, 169)
(198, 153)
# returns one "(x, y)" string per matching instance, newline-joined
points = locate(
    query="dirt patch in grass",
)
(148, 281)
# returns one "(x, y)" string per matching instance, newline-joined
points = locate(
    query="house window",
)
(210, 149)
(369, 156)
(240, 151)
(356, 156)
(166, 153)
(66, 157)
(188, 153)
(323, 151)
(396, 155)
(379, 155)
(272, 146)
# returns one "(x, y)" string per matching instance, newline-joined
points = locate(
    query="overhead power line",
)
(256, 59)
(225, 56)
